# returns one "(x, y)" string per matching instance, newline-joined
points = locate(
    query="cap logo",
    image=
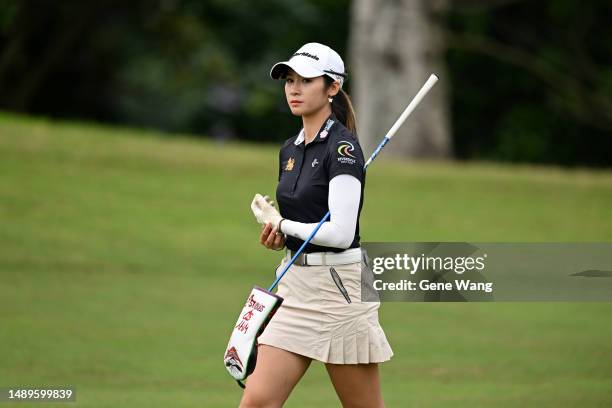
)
(306, 54)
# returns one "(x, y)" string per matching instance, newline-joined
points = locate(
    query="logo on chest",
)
(315, 162)
(289, 165)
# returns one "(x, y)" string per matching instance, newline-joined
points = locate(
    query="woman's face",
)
(306, 96)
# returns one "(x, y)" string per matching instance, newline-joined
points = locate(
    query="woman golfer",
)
(322, 317)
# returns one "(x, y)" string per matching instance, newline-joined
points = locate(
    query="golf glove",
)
(264, 210)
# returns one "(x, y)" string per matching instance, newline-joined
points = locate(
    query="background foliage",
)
(530, 81)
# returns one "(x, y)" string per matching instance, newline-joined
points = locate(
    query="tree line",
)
(522, 80)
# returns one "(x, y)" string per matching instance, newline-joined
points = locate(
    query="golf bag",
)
(241, 353)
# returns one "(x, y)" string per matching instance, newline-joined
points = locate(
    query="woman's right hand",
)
(270, 239)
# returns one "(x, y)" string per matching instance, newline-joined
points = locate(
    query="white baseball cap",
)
(312, 60)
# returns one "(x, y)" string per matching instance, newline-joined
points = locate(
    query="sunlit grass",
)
(125, 256)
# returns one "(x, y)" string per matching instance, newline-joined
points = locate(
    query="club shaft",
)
(413, 104)
(400, 121)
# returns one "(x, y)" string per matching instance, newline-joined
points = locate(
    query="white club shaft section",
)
(413, 104)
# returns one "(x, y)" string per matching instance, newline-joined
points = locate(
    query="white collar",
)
(322, 134)
(300, 138)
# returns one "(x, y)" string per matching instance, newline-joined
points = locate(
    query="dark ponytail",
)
(342, 107)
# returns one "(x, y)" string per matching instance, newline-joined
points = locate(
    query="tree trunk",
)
(394, 46)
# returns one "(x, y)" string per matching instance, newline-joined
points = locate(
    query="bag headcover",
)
(241, 352)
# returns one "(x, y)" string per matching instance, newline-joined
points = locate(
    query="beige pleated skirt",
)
(316, 320)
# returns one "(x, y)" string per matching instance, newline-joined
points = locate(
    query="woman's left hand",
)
(270, 239)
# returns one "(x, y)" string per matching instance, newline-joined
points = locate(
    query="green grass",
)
(125, 256)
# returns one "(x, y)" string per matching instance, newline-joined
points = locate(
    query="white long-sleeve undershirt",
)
(343, 202)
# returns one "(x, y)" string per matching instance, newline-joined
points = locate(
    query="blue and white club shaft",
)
(411, 106)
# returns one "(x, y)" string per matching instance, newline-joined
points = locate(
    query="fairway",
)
(126, 255)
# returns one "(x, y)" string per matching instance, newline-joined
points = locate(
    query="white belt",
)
(326, 258)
